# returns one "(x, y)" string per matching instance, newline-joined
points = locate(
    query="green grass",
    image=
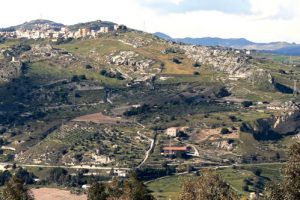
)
(235, 177)
(45, 72)
(166, 188)
(170, 187)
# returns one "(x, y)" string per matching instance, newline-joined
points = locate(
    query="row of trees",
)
(131, 189)
(207, 186)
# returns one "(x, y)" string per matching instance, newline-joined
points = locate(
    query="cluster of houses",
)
(45, 31)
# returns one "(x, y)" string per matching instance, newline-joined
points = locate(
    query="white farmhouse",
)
(172, 131)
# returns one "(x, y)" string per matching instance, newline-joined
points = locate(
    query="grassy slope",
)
(170, 187)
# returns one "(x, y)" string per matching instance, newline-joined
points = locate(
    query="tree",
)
(4, 177)
(289, 188)
(223, 92)
(225, 131)
(196, 64)
(134, 189)
(25, 176)
(292, 173)
(247, 104)
(58, 175)
(97, 192)
(15, 190)
(176, 60)
(207, 186)
(257, 172)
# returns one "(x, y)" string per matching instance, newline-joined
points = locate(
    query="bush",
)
(281, 71)
(108, 74)
(196, 73)
(88, 66)
(196, 64)
(223, 92)
(176, 60)
(25, 176)
(247, 104)
(257, 172)
(103, 72)
(63, 41)
(77, 78)
(232, 118)
(246, 188)
(2, 131)
(224, 131)
(136, 111)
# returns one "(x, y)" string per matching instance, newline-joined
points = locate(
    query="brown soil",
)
(98, 118)
(213, 134)
(55, 194)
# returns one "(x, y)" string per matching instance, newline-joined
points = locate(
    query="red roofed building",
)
(169, 150)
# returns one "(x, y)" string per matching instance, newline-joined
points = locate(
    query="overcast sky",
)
(257, 20)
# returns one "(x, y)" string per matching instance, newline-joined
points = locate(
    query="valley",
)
(127, 100)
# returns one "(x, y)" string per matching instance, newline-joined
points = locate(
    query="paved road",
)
(2, 165)
(217, 167)
(196, 152)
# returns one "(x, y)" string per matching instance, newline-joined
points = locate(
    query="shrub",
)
(232, 118)
(196, 64)
(196, 73)
(224, 131)
(223, 92)
(77, 78)
(176, 60)
(247, 104)
(257, 172)
(246, 188)
(88, 66)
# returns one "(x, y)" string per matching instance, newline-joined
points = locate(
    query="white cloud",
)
(176, 1)
(275, 8)
(275, 20)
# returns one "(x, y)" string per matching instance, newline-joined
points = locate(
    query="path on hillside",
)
(148, 152)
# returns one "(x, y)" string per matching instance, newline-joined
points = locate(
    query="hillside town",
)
(46, 31)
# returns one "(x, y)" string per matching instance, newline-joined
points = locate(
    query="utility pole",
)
(170, 151)
(295, 87)
(74, 97)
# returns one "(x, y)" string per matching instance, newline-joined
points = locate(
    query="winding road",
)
(148, 152)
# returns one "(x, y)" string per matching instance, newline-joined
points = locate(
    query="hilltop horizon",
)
(158, 33)
(251, 19)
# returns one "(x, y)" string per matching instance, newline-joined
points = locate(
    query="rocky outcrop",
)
(131, 59)
(131, 65)
(287, 122)
(289, 119)
(9, 71)
(236, 63)
(137, 41)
